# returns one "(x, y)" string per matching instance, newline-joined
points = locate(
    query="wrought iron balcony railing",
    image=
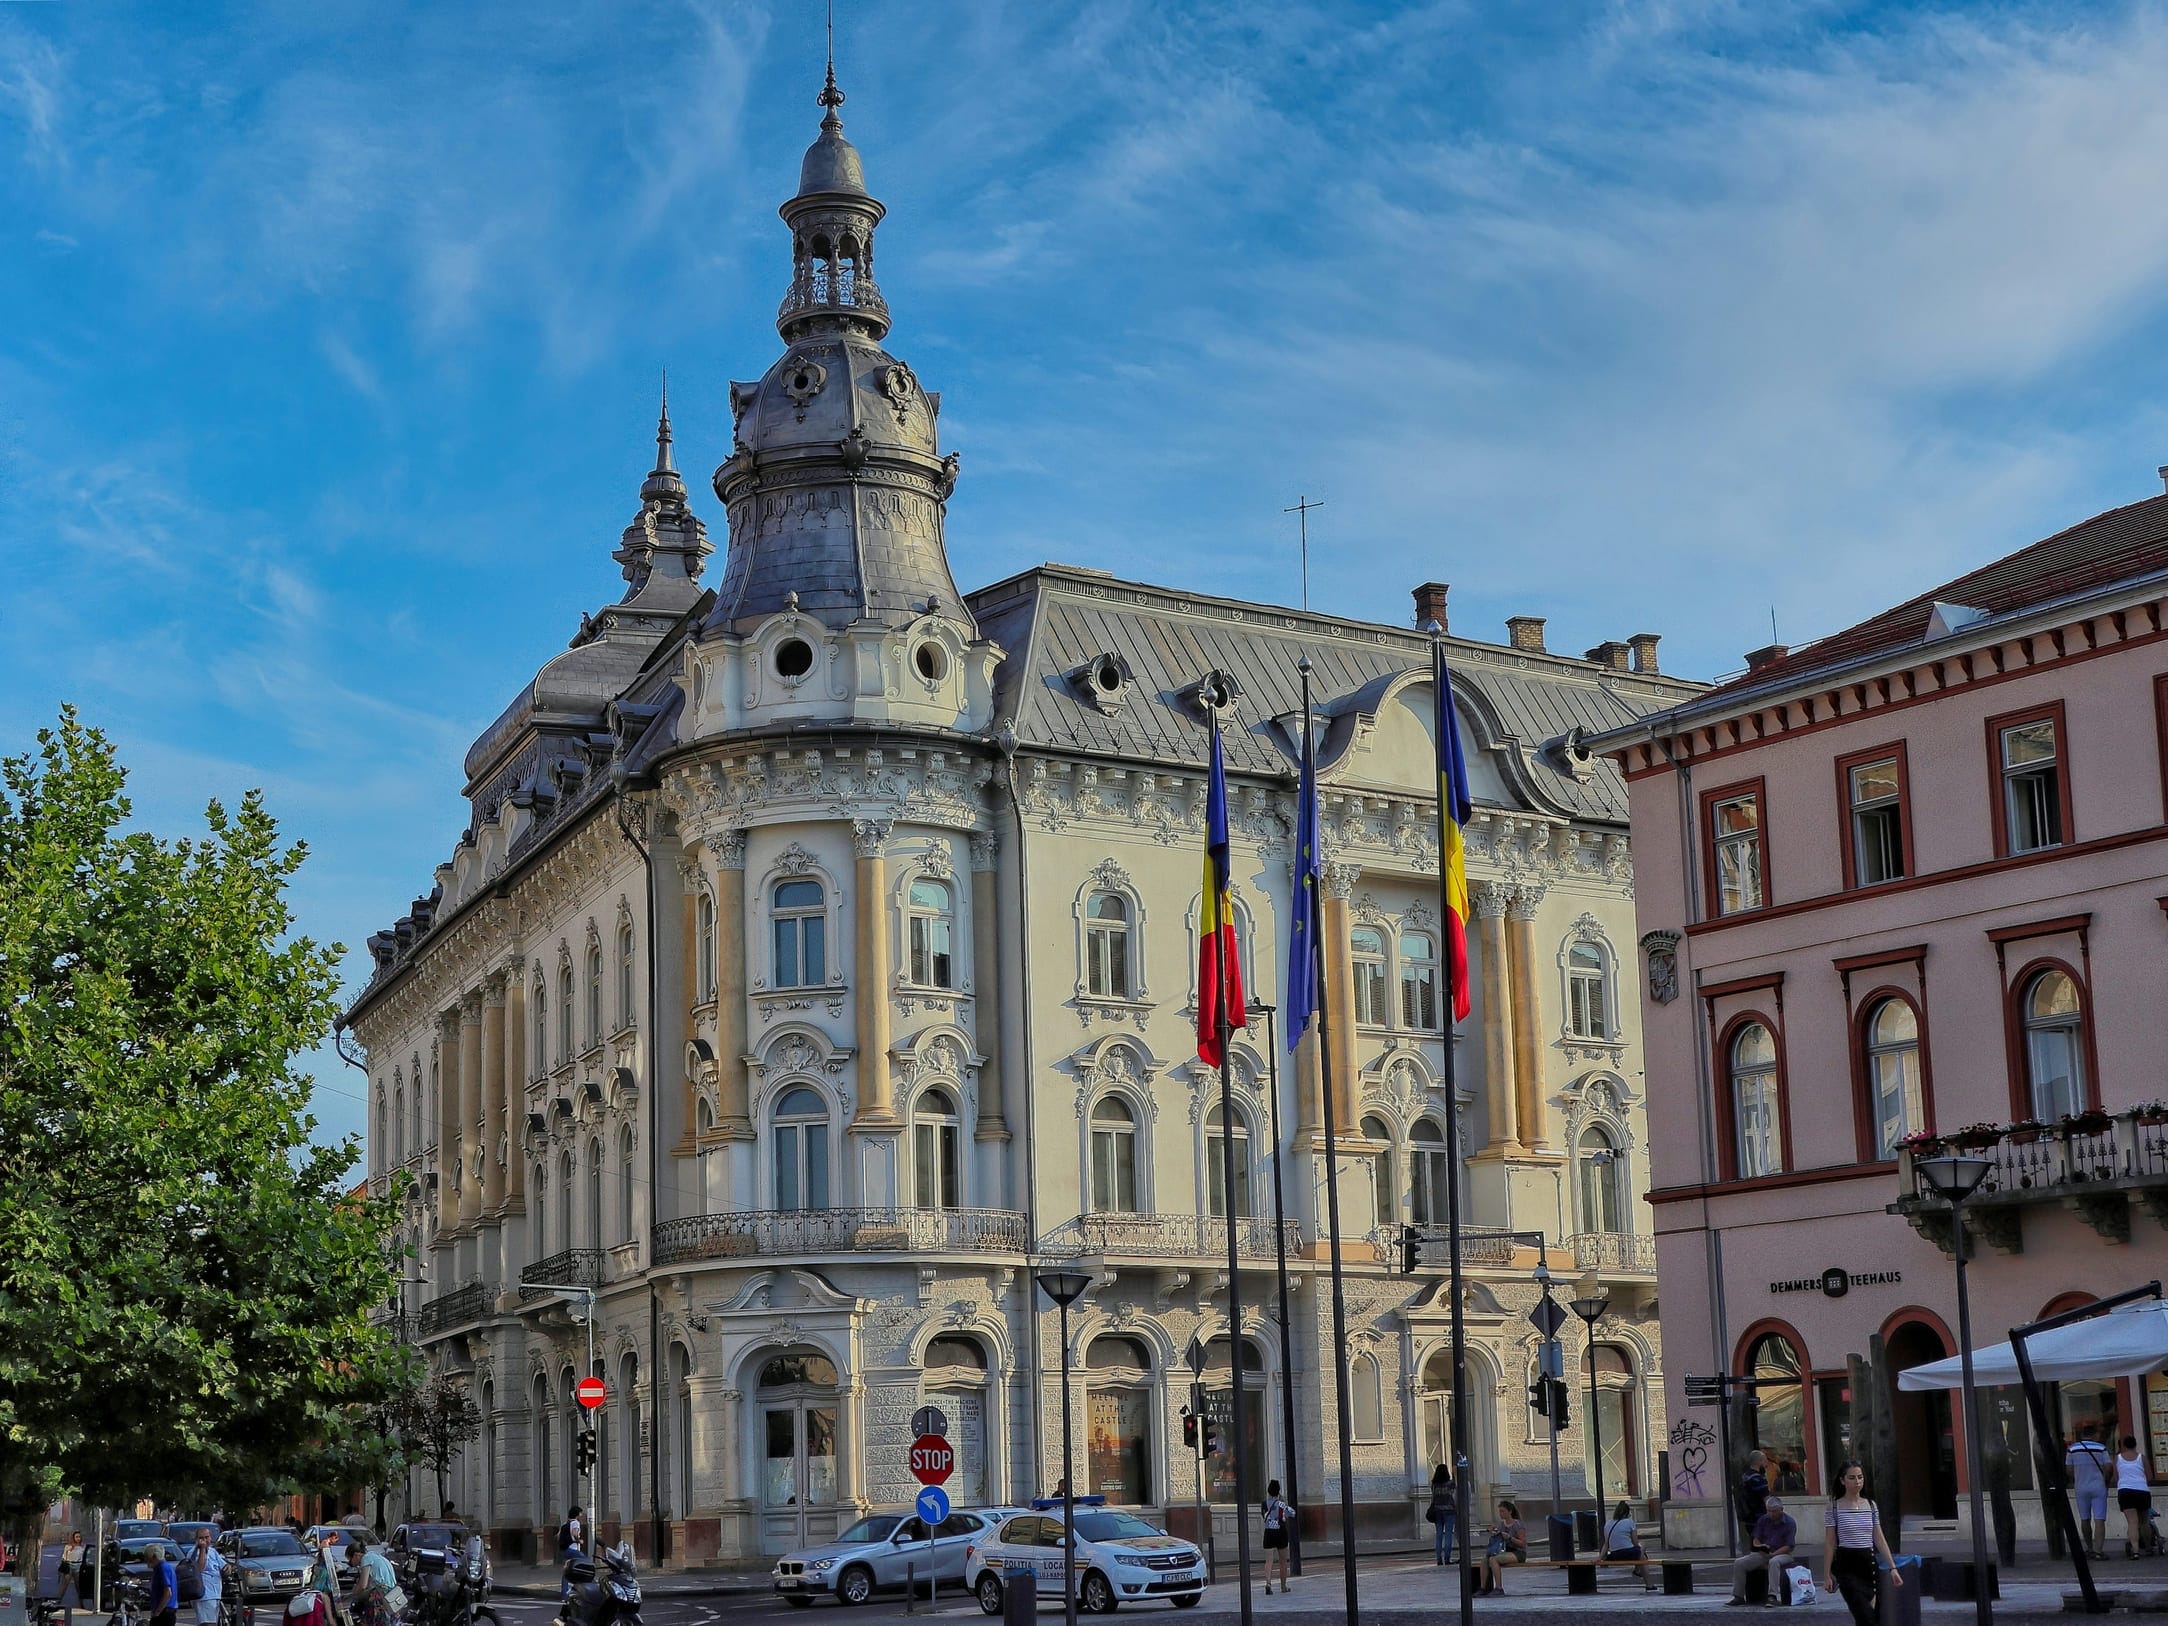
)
(1619, 1253)
(1166, 1236)
(466, 1303)
(569, 1267)
(796, 1232)
(2097, 1164)
(1487, 1246)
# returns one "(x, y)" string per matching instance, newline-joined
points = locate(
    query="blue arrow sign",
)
(933, 1504)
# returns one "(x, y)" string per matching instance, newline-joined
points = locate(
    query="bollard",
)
(1019, 1598)
(910, 1587)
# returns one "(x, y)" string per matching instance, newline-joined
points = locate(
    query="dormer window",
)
(1213, 695)
(1103, 682)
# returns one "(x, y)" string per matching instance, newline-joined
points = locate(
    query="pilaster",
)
(1527, 1053)
(734, 1104)
(1490, 913)
(876, 1099)
(1340, 882)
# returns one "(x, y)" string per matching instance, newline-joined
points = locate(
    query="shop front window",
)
(1119, 1410)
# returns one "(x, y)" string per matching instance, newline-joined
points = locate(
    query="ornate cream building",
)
(820, 957)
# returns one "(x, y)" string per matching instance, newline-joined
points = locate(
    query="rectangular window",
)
(932, 962)
(2030, 757)
(801, 960)
(1875, 791)
(1735, 834)
(1106, 955)
(1418, 983)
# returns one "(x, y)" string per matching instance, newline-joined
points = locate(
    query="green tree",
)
(185, 1282)
(433, 1421)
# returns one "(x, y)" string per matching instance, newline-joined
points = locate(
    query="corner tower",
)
(836, 487)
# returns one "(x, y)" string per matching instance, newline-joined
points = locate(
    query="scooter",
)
(440, 1593)
(613, 1600)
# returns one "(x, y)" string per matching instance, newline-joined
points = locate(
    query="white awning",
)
(2125, 1343)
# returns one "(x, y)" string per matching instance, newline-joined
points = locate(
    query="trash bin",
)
(1900, 1605)
(1585, 1530)
(1949, 1580)
(1560, 1530)
(1019, 1598)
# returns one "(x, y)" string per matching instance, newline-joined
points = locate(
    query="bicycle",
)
(233, 1608)
(130, 1599)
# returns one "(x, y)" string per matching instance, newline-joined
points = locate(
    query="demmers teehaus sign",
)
(1836, 1283)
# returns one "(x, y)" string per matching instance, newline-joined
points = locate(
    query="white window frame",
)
(1428, 1164)
(1590, 1178)
(1420, 979)
(1909, 1081)
(1878, 823)
(938, 1131)
(2038, 782)
(1763, 1078)
(705, 969)
(1372, 975)
(931, 934)
(1215, 1166)
(1385, 1167)
(799, 1123)
(796, 915)
(1124, 1140)
(2070, 1031)
(627, 983)
(1741, 852)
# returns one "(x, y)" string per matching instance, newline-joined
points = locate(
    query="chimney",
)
(1644, 645)
(1768, 655)
(1430, 604)
(1525, 632)
(1609, 653)
(2163, 472)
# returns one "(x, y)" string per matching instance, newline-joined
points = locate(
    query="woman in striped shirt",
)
(1852, 1545)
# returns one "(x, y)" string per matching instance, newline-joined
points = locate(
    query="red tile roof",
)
(2111, 547)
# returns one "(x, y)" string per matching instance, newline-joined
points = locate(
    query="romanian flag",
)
(1453, 814)
(1219, 966)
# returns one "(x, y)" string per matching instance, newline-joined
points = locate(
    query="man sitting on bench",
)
(1775, 1534)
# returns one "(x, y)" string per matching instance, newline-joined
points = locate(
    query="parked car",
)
(1119, 1558)
(124, 1552)
(347, 1551)
(269, 1562)
(878, 1552)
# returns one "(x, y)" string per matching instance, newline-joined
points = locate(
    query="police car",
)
(1120, 1559)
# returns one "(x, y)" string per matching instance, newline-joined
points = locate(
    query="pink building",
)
(1909, 882)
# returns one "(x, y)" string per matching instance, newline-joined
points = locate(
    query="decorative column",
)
(514, 1105)
(876, 1102)
(447, 1124)
(491, 1084)
(470, 1107)
(1490, 921)
(735, 1105)
(1340, 992)
(986, 961)
(1527, 1056)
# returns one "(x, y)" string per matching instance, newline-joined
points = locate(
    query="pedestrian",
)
(1776, 1534)
(165, 1600)
(72, 1553)
(2134, 1495)
(1622, 1541)
(2087, 1461)
(1508, 1544)
(568, 1548)
(1443, 1513)
(209, 1565)
(1279, 1517)
(1753, 1490)
(1853, 1546)
(377, 1596)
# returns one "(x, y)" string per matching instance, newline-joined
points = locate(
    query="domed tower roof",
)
(837, 486)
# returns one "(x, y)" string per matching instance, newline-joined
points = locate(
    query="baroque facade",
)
(820, 958)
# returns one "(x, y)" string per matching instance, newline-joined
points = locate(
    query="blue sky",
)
(329, 335)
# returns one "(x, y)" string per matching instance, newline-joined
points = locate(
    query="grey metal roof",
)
(1056, 620)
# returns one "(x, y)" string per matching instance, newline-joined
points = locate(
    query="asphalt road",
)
(748, 1607)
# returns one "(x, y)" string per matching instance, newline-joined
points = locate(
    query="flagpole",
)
(1279, 1249)
(1332, 1208)
(1236, 1344)
(1441, 686)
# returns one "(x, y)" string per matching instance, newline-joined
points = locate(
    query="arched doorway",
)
(1434, 1420)
(1120, 1410)
(1926, 1439)
(956, 1381)
(1620, 1432)
(798, 1434)
(1219, 1388)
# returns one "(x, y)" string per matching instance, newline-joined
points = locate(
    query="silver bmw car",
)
(876, 1553)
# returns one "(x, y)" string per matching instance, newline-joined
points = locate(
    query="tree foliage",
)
(184, 1281)
(432, 1421)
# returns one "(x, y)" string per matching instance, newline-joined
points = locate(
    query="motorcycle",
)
(611, 1601)
(441, 1593)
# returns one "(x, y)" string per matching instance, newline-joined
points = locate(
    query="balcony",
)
(2096, 1165)
(460, 1306)
(571, 1267)
(1613, 1253)
(1168, 1236)
(1482, 1247)
(827, 1232)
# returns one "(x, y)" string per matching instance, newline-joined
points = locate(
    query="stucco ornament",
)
(803, 378)
(1662, 950)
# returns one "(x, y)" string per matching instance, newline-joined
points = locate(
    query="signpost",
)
(933, 1459)
(591, 1392)
(933, 1505)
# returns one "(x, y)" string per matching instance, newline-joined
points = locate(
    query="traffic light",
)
(1539, 1397)
(583, 1450)
(1189, 1428)
(1561, 1413)
(1408, 1243)
(1211, 1436)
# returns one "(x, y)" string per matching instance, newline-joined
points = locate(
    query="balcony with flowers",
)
(2098, 1165)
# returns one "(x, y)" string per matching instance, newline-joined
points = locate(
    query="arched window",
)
(1366, 1391)
(2054, 1056)
(1893, 1074)
(1107, 958)
(801, 1150)
(932, 934)
(1114, 1157)
(625, 995)
(436, 1100)
(1758, 1143)
(681, 1440)
(1427, 1187)
(704, 943)
(398, 1124)
(1366, 945)
(420, 1136)
(799, 913)
(1777, 1425)
(628, 1402)
(565, 1003)
(1434, 1402)
(594, 993)
(1215, 1165)
(712, 1159)
(934, 1150)
(956, 1381)
(1419, 982)
(567, 1195)
(1386, 1187)
(1588, 998)
(594, 1192)
(383, 1128)
(541, 1060)
(1598, 1171)
(1621, 1453)
(1119, 1372)
(626, 1184)
(538, 1206)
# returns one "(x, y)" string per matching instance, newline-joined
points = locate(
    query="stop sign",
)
(933, 1459)
(591, 1392)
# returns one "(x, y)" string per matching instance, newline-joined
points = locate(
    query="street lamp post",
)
(593, 1467)
(1065, 1287)
(1955, 1179)
(1590, 1309)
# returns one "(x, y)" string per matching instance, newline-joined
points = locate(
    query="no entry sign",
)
(933, 1459)
(591, 1392)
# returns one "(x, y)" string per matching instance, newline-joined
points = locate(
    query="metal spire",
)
(830, 97)
(662, 429)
